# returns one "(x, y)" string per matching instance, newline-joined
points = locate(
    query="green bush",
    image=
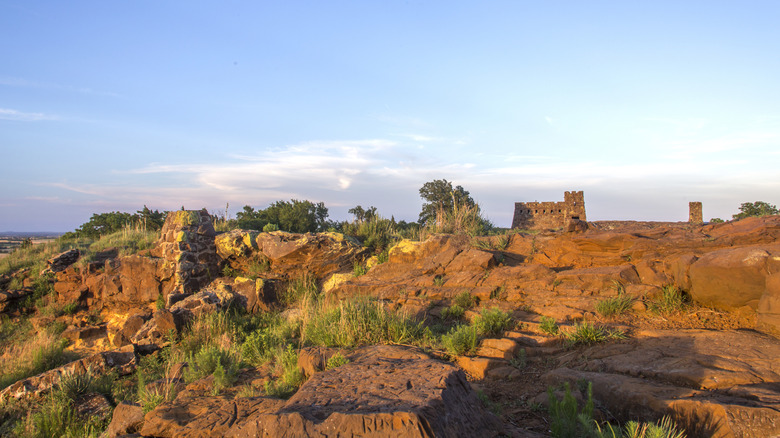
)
(566, 419)
(492, 322)
(336, 361)
(453, 312)
(461, 340)
(268, 228)
(548, 325)
(359, 269)
(464, 300)
(614, 306)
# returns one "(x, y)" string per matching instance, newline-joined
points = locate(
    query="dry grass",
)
(20, 360)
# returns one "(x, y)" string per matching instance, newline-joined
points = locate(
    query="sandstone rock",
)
(123, 360)
(155, 333)
(497, 348)
(383, 391)
(769, 306)
(62, 261)
(478, 367)
(129, 328)
(598, 280)
(733, 278)
(127, 419)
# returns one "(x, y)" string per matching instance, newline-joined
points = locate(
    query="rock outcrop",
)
(383, 391)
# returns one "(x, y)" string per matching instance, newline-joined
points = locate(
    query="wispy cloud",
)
(20, 116)
(27, 83)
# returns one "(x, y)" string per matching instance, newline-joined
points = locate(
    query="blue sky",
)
(645, 106)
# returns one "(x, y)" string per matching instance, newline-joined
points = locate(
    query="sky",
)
(645, 106)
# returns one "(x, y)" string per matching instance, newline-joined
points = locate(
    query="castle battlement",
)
(550, 215)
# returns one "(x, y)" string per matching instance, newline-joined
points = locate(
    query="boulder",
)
(769, 306)
(733, 278)
(127, 419)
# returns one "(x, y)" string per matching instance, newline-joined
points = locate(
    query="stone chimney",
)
(694, 213)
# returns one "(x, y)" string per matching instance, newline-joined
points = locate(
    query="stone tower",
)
(694, 213)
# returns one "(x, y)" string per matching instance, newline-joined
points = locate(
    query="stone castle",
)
(550, 215)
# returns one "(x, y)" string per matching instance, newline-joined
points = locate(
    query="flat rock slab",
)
(383, 391)
(715, 383)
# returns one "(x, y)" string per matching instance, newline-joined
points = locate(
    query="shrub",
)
(614, 306)
(290, 375)
(453, 312)
(492, 322)
(464, 300)
(268, 228)
(461, 340)
(548, 325)
(438, 280)
(587, 333)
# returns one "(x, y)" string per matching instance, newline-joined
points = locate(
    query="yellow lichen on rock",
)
(335, 281)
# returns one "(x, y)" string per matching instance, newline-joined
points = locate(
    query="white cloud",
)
(19, 116)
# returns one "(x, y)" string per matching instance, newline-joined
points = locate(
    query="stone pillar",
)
(187, 243)
(694, 213)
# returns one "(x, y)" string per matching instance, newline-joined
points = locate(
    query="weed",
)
(548, 325)
(566, 420)
(290, 375)
(438, 280)
(361, 321)
(586, 333)
(461, 340)
(520, 360)
(614, 306)
(453, 312)
(672, 300)
(464, 300)
(359, 269)
(492, 322)
(159, 304)
(382, 257)
(499, 293)
(299, 289)
(336, 361)
(489, 404)
(247, 391)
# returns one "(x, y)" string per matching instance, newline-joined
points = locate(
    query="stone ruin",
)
(550, 215)
(694, 213)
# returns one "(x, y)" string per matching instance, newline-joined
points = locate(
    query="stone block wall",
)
(550, 215)
(694, 213)
(187, 241)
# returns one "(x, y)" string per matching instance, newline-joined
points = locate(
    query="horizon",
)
(644, 107)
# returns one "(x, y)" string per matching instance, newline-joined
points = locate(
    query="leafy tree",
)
(363, 214)
(152, 220)
(250, 219)
(439, 195)
(758, 208)
(297, 216)
(105, 223)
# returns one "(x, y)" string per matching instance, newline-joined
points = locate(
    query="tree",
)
(249, 219)
(152, 220)
(297, 216)
(362, 214)
(439, 195)
(758, 208)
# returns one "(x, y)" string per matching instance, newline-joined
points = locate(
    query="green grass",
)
(671, 301)
(359, 269)
(298, 290)
(336, 361)
(492, 322)
(453, 312)
(361, 321)
(614, 306)
(585, 333)
(465, 300)
(548, 325)
(461, 340)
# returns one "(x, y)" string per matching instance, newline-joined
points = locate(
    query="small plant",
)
(382, 257)
(461, 340)
(672, 300)
(520, 360)
(492, 322)
(438, 280)
(586, 333)
(227, 271)
(548, 325)
(499, 293)
(160, 302)
(453, 312)
(614, 306)
(464, 300)
(359, 269)
(566, 420)
(299, 289)
(336, 361)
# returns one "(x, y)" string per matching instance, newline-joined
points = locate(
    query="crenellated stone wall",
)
(550, 215)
